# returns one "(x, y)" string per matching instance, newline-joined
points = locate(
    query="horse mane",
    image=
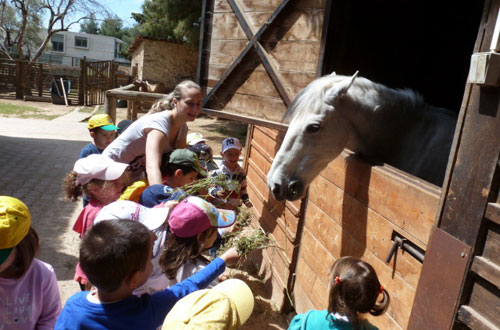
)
(310, 99)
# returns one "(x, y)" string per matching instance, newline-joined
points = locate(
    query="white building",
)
(68, 48)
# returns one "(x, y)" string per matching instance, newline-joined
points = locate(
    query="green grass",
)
(21, 111)
(90, 109)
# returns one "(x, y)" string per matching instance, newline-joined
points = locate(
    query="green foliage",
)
(173, 20)
(11, 22)
(90, 25)
(112, 27)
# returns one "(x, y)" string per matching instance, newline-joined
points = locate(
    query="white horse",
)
(334, 112)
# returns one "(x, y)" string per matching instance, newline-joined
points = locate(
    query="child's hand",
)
(248, 204)
(222, 194)
(231, 256)
(170, 204)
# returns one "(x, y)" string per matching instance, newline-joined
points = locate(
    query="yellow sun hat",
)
(15, 223)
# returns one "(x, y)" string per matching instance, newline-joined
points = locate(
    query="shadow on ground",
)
(33, 170)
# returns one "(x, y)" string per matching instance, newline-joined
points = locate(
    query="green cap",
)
(186, 157)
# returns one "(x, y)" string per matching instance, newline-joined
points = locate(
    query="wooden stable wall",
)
(353, 209)
(281, 220)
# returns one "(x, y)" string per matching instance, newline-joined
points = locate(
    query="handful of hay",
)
(246, 238)
(200, 187)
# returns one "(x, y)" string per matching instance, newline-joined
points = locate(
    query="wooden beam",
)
(241, 19)
(277, 79)
(244, 119)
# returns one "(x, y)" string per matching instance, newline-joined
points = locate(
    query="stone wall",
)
(165, 62)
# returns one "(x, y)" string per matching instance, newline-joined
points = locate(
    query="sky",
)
(122, 8)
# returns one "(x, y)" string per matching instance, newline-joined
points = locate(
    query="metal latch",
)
(407, 246)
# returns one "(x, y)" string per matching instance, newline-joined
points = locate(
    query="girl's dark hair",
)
(354, 288)
(179, 250)
(74, 190)
(112, 251)
(167, 103)
(26, 250)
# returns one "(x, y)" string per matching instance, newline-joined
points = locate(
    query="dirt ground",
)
(265, 315)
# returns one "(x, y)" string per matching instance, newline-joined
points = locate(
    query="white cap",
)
(152, 218)
(97, 166)
(194, 138)
(230, 143)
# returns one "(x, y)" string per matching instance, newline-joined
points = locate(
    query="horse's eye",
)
(312, 128)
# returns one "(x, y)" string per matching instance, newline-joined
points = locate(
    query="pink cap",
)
(96, 166)
(194, 215)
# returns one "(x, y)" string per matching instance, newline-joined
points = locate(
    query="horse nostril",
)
(276, 189)
(294, 189)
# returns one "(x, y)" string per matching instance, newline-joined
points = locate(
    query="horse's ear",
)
(339, 89)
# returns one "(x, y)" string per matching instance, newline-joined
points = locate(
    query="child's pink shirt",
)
(86, 218)
(83, 223)
(32, 301)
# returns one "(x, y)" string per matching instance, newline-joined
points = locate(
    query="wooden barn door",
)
(460, 282)
(256, 55)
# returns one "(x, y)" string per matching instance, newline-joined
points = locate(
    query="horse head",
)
(317, 133)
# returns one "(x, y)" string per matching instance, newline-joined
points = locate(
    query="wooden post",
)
(80, 84)
(84, 81)
(110, 107)
(19, 80)
(64, 91)
(40, 79)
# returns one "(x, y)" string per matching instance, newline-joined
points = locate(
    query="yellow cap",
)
(227, 306)
(15, 221)
(103, 121)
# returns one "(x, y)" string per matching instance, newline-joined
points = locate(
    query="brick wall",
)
(161, 61)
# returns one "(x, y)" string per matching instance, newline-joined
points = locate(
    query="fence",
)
(34, 81)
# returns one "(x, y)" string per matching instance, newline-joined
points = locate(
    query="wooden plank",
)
(37, 98)
(443, 281)
(413, 203)
(223, 53)
(491, 249)
(367, 230)
(474, 320)
(225, 26)
(319, 261)
(486, 301)
(493, 212)
(244, 119)
(488, 270)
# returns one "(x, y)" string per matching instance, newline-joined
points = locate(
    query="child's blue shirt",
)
(89, 149)
(144, 312)
(158, 193)
(316, 320)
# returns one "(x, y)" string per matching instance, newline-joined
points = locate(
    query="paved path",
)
(35, 156)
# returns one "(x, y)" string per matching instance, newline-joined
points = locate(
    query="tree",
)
(90, 25)
(112, 27)
(175, 20)
(62, 15)
(11, 25)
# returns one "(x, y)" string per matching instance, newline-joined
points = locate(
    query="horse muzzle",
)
(291, 190)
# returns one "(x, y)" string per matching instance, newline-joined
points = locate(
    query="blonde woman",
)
(147, 139)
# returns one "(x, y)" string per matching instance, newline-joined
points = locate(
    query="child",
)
(155, 219)
(101, 179)
(28, 287)
(193, 229)
(116, 256)
(231, 151)
(102, 131)
(228, 306)
(354, 289)
(181, 169)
